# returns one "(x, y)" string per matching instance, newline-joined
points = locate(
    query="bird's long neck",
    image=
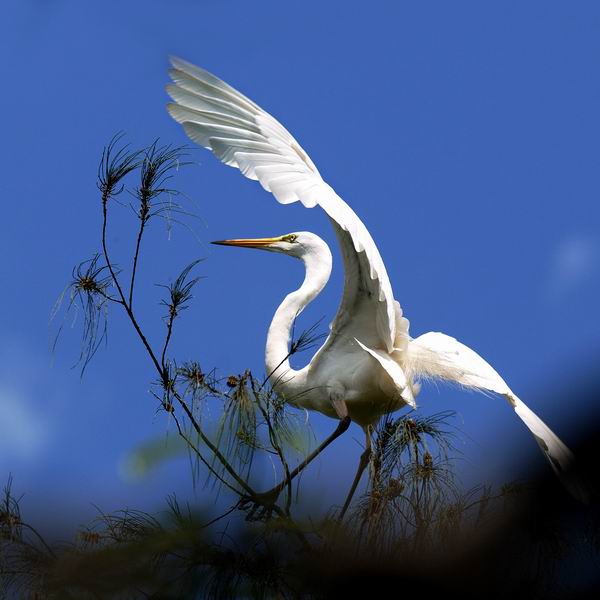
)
(318, 269)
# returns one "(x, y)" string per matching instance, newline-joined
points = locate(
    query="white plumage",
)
(368, 365)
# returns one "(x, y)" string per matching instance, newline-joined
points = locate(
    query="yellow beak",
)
(248, 242)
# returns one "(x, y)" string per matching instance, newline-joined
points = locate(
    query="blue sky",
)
(464, 134)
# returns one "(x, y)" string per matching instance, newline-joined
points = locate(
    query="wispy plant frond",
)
(180, 291)
(307, 339)
(157, 166)
(126, 525)
(237, 432)
(91, 278)
(10, 514)
(116, 163)
(291, 428)
(197, 384)
(412, 479)
(25, 557)
(411, 436)
(88, 293)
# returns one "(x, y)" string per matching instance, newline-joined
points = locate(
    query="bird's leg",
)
(339, 405)
(342, 426)
(362, 465)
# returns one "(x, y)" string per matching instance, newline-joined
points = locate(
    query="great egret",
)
(369, 365)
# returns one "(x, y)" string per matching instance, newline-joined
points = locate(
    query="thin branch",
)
(159, 368)
(276, 446)
(135, 259)
(201, 457)
(212, 447)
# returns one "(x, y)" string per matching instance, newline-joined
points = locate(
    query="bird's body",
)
(362, 383)
(341, 368)
(369, 365)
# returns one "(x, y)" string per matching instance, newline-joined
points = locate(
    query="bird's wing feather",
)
(242, 135)
(394, 372)
(435, 354)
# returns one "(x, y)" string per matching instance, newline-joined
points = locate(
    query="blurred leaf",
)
(152, 454)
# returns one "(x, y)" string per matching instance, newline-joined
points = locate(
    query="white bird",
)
(369, 365)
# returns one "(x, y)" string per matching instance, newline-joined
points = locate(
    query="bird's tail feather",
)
(437, 355)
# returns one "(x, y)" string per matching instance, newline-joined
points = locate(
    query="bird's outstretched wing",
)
(242, 135)
(435, 354)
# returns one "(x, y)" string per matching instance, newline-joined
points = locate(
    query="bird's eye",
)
(291, 238)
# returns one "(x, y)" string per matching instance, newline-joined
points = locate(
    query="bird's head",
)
(296, 244)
